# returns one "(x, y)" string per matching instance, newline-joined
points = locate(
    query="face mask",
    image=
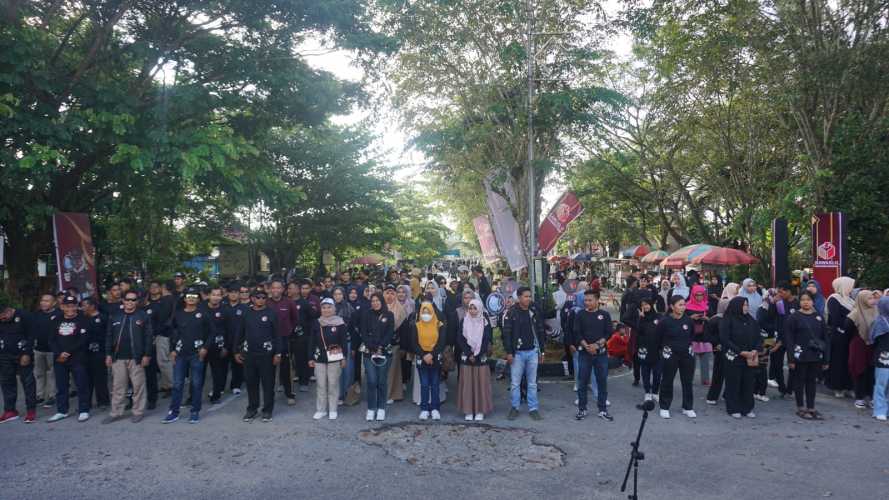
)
(426, 317)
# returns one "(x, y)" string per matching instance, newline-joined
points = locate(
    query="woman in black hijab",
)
(740, 343)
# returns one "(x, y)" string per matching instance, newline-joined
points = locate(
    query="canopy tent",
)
(683, 256)
(654, 257)
(635, 252)
(719, 256)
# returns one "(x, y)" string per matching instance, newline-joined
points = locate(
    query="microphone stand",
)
(635, 455)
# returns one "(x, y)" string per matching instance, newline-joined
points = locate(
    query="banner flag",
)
(556, 222)
(75, 255)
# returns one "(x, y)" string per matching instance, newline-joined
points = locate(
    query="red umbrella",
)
(634, 252)
(683, 256)
(719, 256)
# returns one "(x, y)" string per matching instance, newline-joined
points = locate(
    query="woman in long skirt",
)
(474, 397)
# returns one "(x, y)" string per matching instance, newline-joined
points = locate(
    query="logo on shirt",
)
(601, 317)
(883, 359)
(333, 329)
(148, 311)
(265, 318)
(198, 315)
(667, 352)
(818, 318)
(138, 322)
(98, 320)
(218, 315)
(238, 312)
(267, 346)
(685, 327)
(67, 329)
(383, 320)
(17, 319)
(642, 352)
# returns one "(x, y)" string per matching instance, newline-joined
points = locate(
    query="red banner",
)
(486, 238)
(828, 248)
(563, 212)
(75, 255)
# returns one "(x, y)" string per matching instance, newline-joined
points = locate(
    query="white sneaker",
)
(751, 415)
(390, 401)
(647, 396)
(424, 415)
(654, 397)
(319, 415)
(839, 394)
(881, 418)
(83, 417)
(436, 415)
(665, 413)
(736, 415)
(576, 402)
(339, 402)
(607, 403)
(479, 417)
(370, 415)
(57, 417)
(860, 404)
(711, 402)
(332, 416)
(761, 397)
(773, 383)
(469, 417)
(689, 413)
(381, 415)
(236, 391)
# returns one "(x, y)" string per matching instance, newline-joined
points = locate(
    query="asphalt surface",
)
(776, 455)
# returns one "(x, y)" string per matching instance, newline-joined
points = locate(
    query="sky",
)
(392, 141)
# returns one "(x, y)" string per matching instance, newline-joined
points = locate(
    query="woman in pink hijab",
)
(697, 307)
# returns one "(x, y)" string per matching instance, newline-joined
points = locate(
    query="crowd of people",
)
(359, 336)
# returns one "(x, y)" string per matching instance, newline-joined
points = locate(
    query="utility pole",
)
(532, 188)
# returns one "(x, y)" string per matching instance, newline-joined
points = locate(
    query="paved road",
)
(776, 456)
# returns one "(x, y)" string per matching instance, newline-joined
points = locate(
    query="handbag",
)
(447, 359)
(334, 353)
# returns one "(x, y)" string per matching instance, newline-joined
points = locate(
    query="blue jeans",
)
(62, 372)
(377, 383)
(182, 367)
(430, 380)
(524, 363)
(588, 365)
(593, 388)
(348, 375)
(881, 391)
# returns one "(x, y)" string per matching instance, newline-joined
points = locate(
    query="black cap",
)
(70, 299)
(390, 286)
(233, 287)
(179, 274)
(192, 291)
(259, 292)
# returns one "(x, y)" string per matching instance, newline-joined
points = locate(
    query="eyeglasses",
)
(191, 296)
(130, 299)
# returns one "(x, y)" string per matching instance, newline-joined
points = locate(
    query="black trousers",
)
(684, 363)
(738, 387)
(299, 347)
(10, 369)
(259, 370)
(237, 370)
(151, 373)
(219, 370)
(776, 369)
(717, 378)
(804, 382)
(98, 378)
(864, 384)
(760, 379)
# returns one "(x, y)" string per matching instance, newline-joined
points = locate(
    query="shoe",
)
(303, 388)
(214, 401)
(860, 404)
(266, 417)
(424, 415)
(576, 401)
(291, 402)
(750, 415)
(711, 402)
(249, 416)
(535, 415)
(319, 415)
(332, 415)
(469, 417)
(110, 420)
(839, 394)
(83, 416)
(57, 417)
(607, 403)
(31, 417)
(773, 383)
(236, 391)
(371, 414)
(761, 397)
(151, 405)
(137, 418)
(170, 418)
(340, 402)
(655, 397)
(647, 397)
(49, 403)
(665, 413)
(194, 418)
(735, 415)
(39, 401)
(381, 415)
(581, 414)
(881, 418)
(9, 416)
(390, 401)
(479, 417)
(604, 415)
(436, 415)
(690, 413)
(513, 414)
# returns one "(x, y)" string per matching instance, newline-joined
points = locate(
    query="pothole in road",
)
(458, 446)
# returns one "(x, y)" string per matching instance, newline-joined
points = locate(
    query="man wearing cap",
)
(68, 343)
(258, 348)
(233, 310)
(188, 348)
(288, 320)
(16, 355)
(41, 325)
(179, 284)
(128, 343)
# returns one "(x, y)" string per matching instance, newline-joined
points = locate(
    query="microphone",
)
(647, 406)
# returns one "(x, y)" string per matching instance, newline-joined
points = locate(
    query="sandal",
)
(803, 414)
(816, 415)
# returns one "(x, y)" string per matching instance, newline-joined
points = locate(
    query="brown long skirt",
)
(396, 386)
(474, 390)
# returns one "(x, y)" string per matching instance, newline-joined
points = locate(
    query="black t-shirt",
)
(14, 335)
(70, 336)
(674, 335)
(806, 337)
(41, 326)
(592, 326)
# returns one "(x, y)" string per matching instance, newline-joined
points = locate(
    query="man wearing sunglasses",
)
(188, 349)
(128, 344)
(258, 348)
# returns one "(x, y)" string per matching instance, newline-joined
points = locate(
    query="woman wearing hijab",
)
(394, 379)
(714, 294)
(808, 351)
(696, 308)
(662, 297)
(428, 340)
(327, 350)
(740, 341)
(858, 326)
(839, 305)
(650, 363)
(879, 338)
(403, 294)
(679, 288)
(431, 294)
(814, 287)
(345, 311)
(474, 396)
(712, 333)
(751, 292)
(376, 333)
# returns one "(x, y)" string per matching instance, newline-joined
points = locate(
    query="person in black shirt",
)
(68, 343)
(233, 311)
(647, 350)
(16, 355)
(190, 335)
(377, 331)
(629, 310)
(674, 343)
(773, 321)
(808, 352)
(128, 344)
(95, 356)
(739, 342)
(523, 340)
(219, 344)
(41, 324)
(160, 305)
(592, 328)
(258, 348)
